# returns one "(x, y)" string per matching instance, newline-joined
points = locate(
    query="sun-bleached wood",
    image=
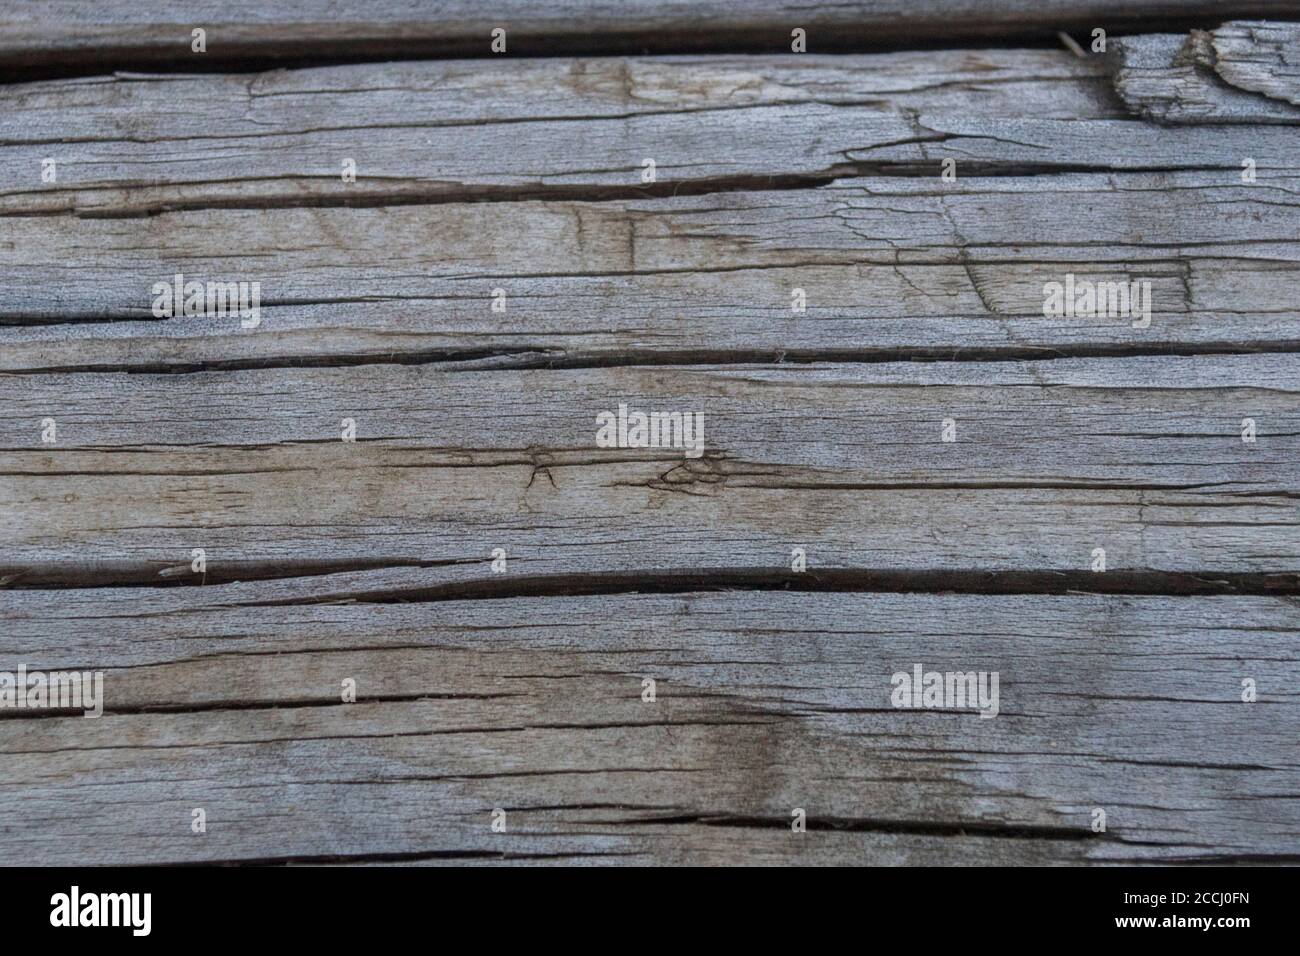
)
(484, 686)
(885, 264)
(138, 144)
(228, 699)
(1141, 456)
(1240, 73)
(83, 35)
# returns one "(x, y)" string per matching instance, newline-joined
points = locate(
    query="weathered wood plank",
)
(519, 687)
(766, 701)
(1140, 456)
(130, 145)
(433, 94)
(886, 264)
(114, 31)
(1260, 56)
(1242, 73)
(445, 130)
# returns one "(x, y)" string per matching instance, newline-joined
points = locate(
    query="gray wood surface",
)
(112, 31)
(441, 131)
(1245, 72)
(1141, 456)
(950, 267)
(1261, 57)
(519, 687)
(228, 699)
(136, 144)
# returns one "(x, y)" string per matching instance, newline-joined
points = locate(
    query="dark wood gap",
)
(845, 35)
(542, 358)
(955, 581)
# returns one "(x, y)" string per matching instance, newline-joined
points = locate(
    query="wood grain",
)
(225, 699)
(134, 145)
(1240, 73)
(482, 686)
(1140, 456)
(890, 267)
(151, 31)
(1261, 57)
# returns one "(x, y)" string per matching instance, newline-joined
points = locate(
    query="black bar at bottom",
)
(345, 905)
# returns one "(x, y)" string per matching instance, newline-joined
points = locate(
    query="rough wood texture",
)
(228, 699)
(1140, 456)
(482, 687)
(114, 31)
(899, 265)
(1262, 57)
(1241, 73)
(421, 132)
(132, 144)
